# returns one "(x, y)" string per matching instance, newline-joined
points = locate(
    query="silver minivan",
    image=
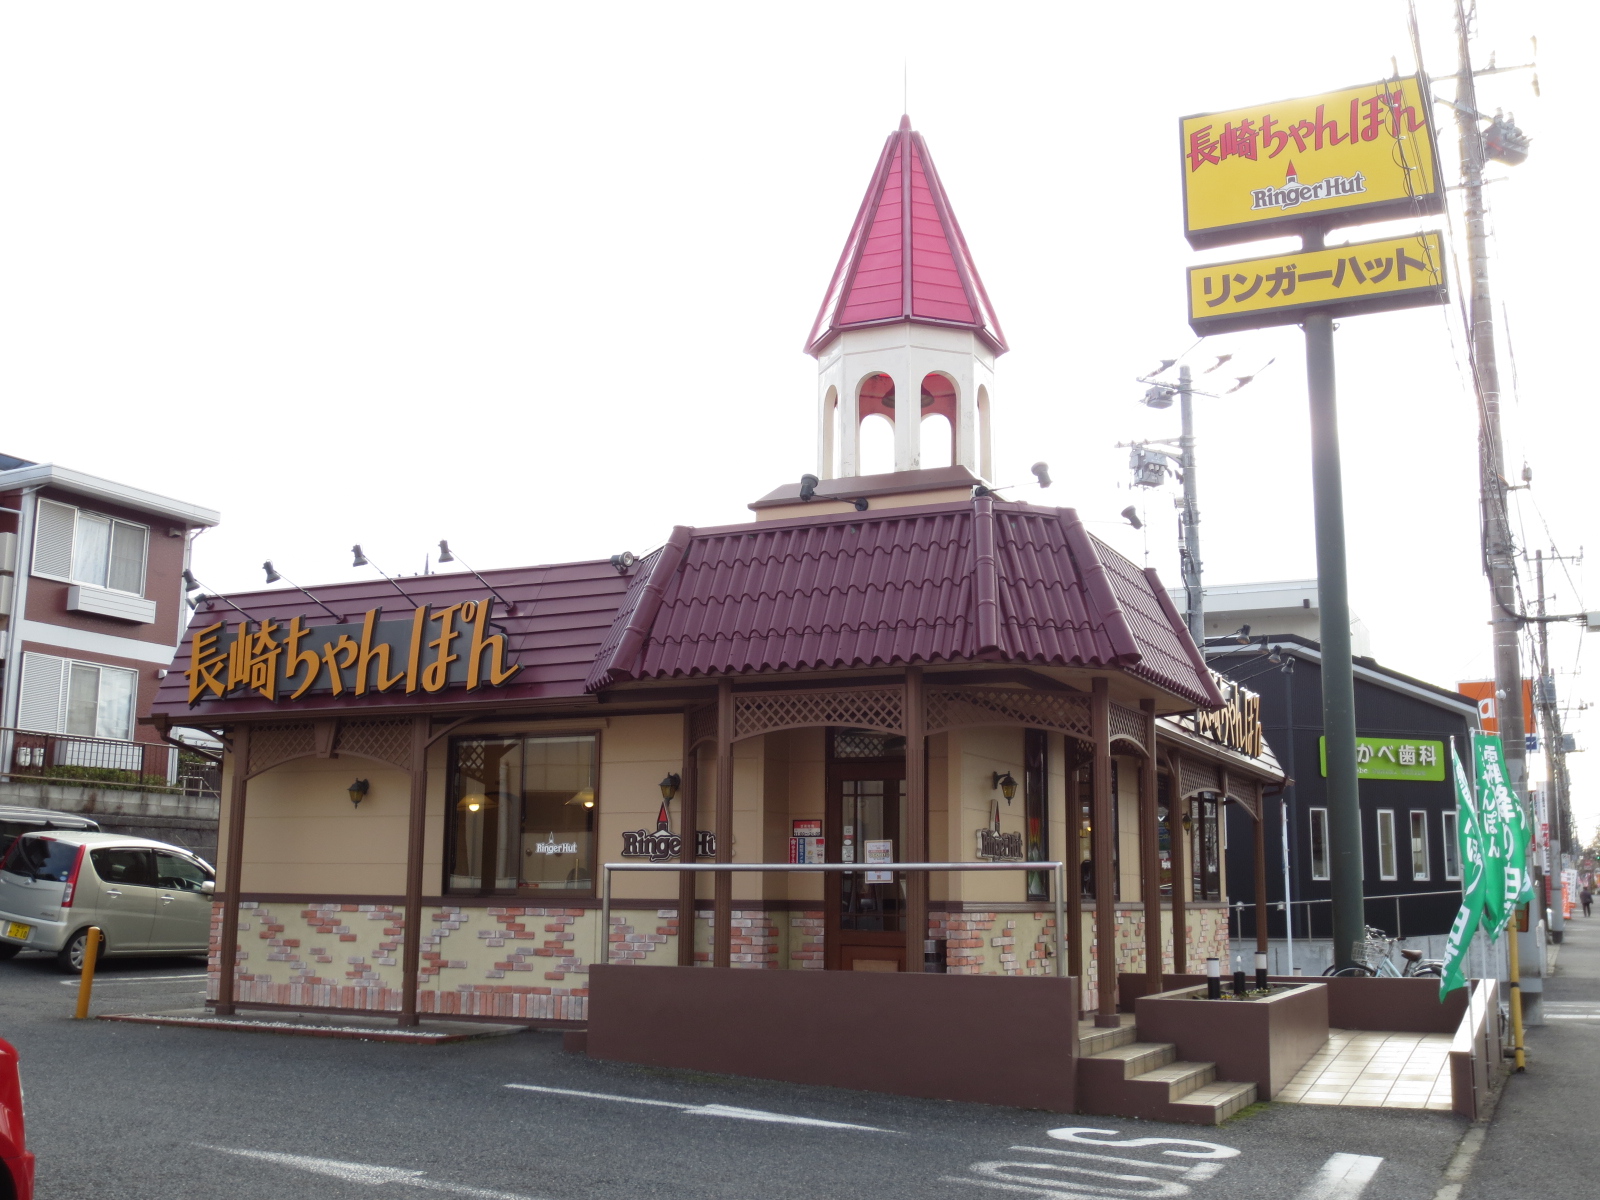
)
(147, 897)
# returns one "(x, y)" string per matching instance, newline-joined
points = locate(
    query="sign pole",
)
(1333, 597)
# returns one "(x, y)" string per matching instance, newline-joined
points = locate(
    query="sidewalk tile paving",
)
(1375, 1070)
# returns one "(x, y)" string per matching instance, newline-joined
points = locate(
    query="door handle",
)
(113, 892)
(167, 898)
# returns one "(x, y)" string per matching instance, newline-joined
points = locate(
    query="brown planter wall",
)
(1258, 1041)
(1385, 1005)
(988, 1039)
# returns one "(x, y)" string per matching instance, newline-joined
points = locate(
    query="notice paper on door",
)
(880, 852)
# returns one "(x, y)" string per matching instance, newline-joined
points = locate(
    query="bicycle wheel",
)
(1349, 972)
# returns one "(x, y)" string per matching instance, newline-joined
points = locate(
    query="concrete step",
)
(1182, 1078)
(1215, 1102)
(1092, 1040)
(1138, 1059)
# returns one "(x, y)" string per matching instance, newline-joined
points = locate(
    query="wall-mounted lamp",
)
(670, 785)
(1188, 820)
(358, 792)
(1006, 784)
(808, 486)
(623, 563)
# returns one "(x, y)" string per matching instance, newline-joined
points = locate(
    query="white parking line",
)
(704, 1110)
(373, 1176)
(1343, 1177)
(103, 980)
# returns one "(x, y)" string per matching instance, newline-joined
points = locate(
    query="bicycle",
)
(1374, 959)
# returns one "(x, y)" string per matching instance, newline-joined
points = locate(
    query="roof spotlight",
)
(272, 575)
(1243, 636)
(359, 559)
(808, 486)
(623, 563)
(444, 552)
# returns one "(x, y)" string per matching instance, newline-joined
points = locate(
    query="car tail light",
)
(72, 879)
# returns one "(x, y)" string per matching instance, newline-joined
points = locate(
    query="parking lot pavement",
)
(141, 1111)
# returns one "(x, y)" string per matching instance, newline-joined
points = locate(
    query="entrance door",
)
(866, 919)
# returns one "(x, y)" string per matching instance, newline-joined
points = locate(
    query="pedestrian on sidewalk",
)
(1587, 898)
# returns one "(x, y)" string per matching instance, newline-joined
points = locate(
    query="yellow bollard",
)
(91, 948)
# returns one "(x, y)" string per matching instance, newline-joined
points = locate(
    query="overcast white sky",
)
(537, 281)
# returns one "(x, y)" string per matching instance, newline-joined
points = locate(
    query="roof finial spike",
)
(905, 123)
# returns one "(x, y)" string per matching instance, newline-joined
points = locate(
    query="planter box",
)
(1386, 1005)
(1256, 1041)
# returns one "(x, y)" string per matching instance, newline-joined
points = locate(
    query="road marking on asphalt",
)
(105, 980)
(1074, 1133)
(367, 1173)
(1086, 1175)
(1461, 1163)
(704, 1110)
(1343, 1177)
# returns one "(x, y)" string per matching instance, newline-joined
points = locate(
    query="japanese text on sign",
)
(434, 649)
(1249, 171)
(1395, 758)
(1400, 272)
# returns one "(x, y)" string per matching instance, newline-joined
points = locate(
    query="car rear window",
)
(124, 864)
(42, 858)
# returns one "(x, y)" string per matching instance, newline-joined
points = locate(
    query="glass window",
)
(125, 572)
(1387, 866)
(179, 872)
(91, 547)
(41, 858)
(1319, 844)
(100, 701)
(1452, 846)
(1419, 845)
(1036, 809)
(83, 699)
(523, 814)
(1086, 831)
(84, 547)
(1164, 831)
(124, 864)
(1205, 861)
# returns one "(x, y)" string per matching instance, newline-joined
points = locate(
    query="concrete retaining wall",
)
(183, 820)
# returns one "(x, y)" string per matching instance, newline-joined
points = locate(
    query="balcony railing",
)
(100, 762)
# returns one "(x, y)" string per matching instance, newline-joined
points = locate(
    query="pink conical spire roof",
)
(905, 258)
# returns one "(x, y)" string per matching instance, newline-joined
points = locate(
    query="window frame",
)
(1450, 825)
(73, 574)
(1319, 826)
(63, 697)
(1393, 872)
(1036, 810)
(1205, 874)
(530, 895)
(1419, 846)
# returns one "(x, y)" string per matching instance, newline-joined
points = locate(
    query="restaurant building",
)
(420, 789)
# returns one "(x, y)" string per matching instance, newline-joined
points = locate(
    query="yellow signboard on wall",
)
(1405, 271)
(1361, 154)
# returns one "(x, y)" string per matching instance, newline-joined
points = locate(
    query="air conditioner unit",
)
(8, 587)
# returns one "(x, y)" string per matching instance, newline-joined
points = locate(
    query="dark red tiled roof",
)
(905, 258)
(981, 581)
(564, 613)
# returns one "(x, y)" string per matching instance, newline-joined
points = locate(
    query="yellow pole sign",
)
(1361, 154)
(1405, 271)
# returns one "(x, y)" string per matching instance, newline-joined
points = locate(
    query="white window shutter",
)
(43, 692)
(53, 531)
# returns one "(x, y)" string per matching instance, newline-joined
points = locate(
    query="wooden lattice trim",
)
(1128, 724)
(956, 708)
(702, 725)
(271, 745)
(881, 708)
(1247, 793)
(1195, 777)
(387, 741)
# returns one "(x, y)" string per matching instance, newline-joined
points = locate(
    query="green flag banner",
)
(1474, 880)
(1505, 830)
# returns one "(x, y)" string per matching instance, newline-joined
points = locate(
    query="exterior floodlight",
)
(1006, 784)
(1275, 655)
(360, 558)
(669, 786)
(272, 576)
(1041, 472)
(1243, 636)
(358, 792)
(808, 486)
(190, 583)
(444, 552)
(623, 563)
(1131, 516)
(861, 503)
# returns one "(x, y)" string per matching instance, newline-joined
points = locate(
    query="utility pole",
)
(1555, 748)
(1498, 548)
(1194, 597)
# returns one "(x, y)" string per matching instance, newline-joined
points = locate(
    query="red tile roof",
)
(905, 258)
(980, 581)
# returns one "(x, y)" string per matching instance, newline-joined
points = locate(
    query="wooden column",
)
(1178, 836)
(416, 832)
(722, 904)
(233, 870)
(1261, 874)
(1105, 885)
(688, 828)
(916, 847)
(1075, 871)
(1150, 853)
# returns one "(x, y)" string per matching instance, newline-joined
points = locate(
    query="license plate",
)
(16, 929)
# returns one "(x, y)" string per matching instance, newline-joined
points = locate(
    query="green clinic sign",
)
(1394, 758)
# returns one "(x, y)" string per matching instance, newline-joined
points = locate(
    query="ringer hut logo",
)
(662, 844)
(1293, 193)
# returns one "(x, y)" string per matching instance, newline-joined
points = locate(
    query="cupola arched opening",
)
(938, 420)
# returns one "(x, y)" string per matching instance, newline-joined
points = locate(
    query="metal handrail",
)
(1237, 907)
(686, 927)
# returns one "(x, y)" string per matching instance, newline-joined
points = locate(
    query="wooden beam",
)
(688, 829)
(233, 871)
(722, 901)
(416, 833)
(1150, 854)
(916, 847)
(1105, 884)
(1178, 838)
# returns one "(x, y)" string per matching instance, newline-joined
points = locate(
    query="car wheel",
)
(9, 950)
(69, 958)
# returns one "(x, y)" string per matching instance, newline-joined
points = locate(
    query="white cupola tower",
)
(906, 331)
